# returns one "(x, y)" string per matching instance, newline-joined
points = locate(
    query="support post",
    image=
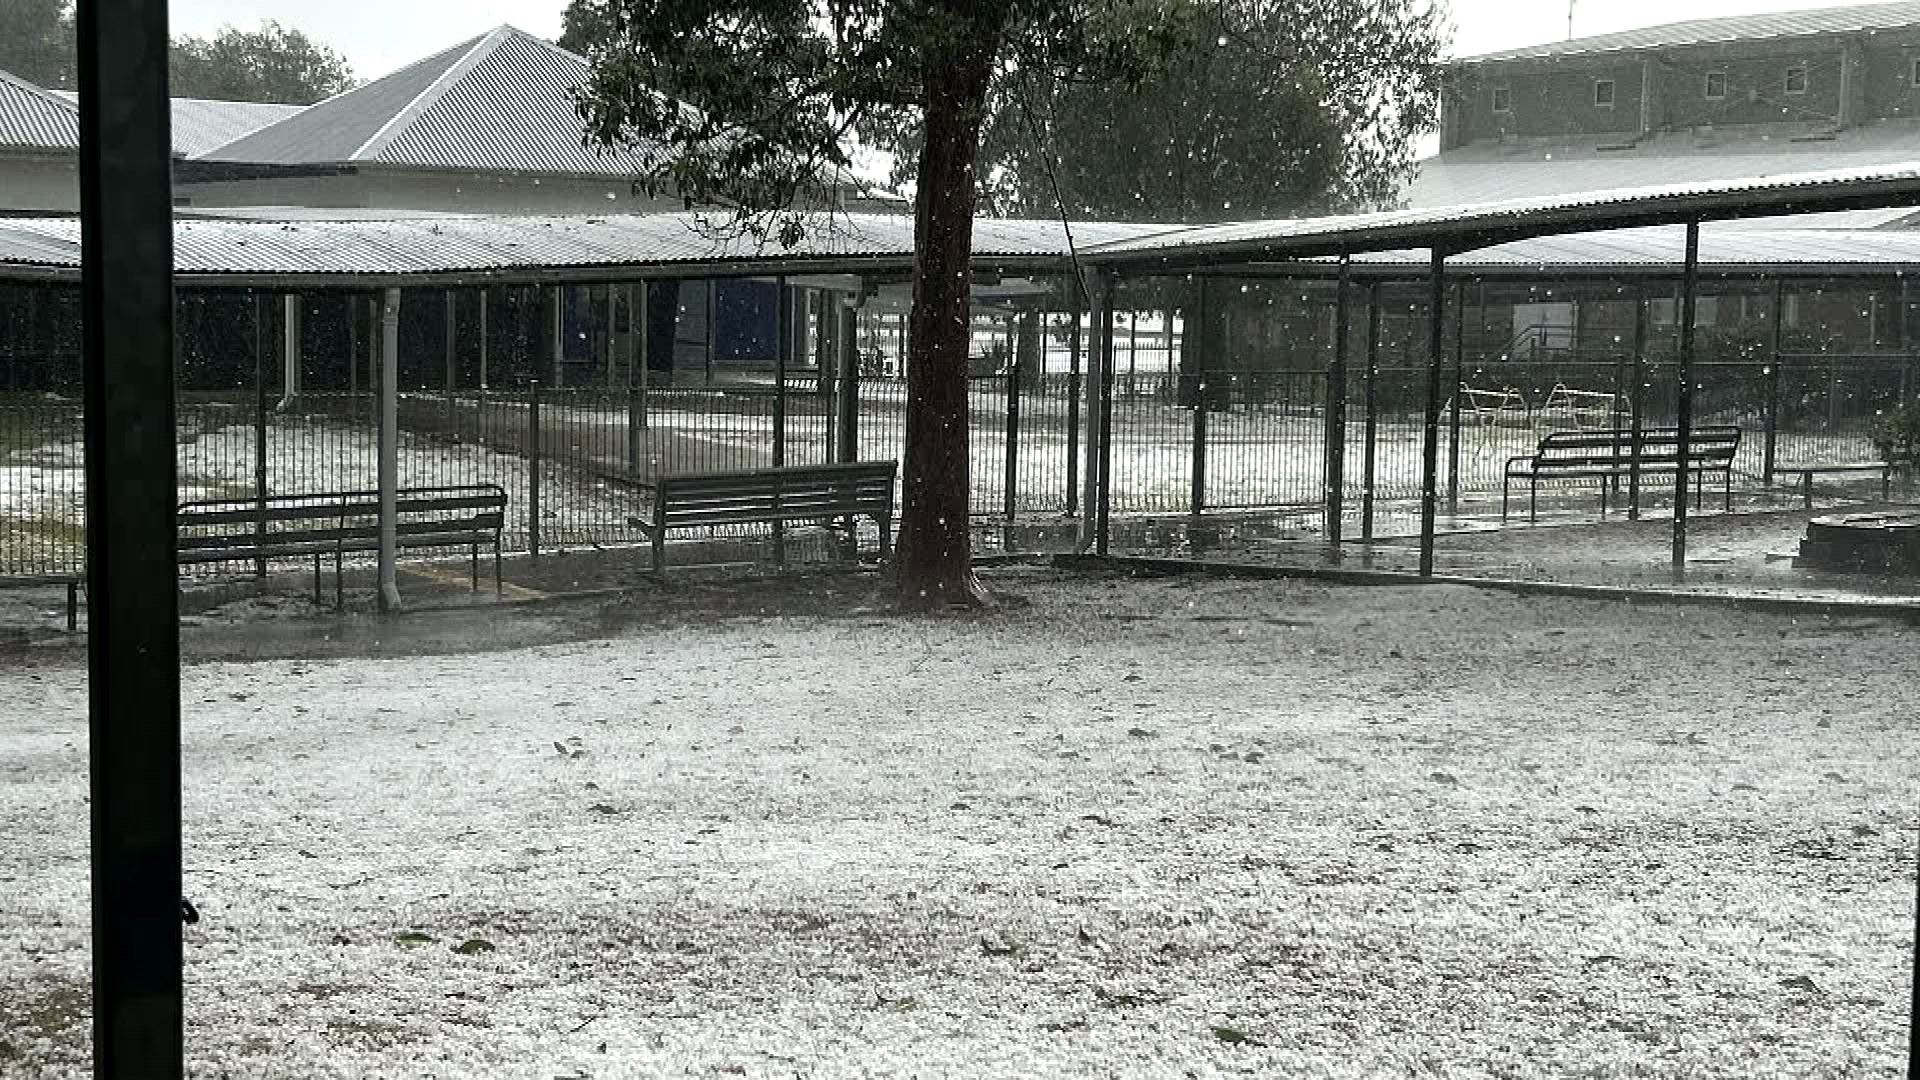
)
(1105, 350)
(133, 643)
(1459, 380)
(534, 468)
(1430, 459)
(636, 374)
(782, 348)
(1336, 408)
(1683, 436)
(1636, 398)
(559, 295)
(289, 352)
(1772, 374)
(1014, 375)
(483, 343)
(389, 452)
(353, 344)
(453, 339)
(847, 402)
(1076, 306)
(259, 435)
(1197, 352)
(1371, 458)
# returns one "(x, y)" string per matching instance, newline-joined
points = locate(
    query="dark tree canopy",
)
(1271, 108)
(271, 64)
(36, 42)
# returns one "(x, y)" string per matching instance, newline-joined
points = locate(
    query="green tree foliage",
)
(36, 42)
(777, 87)
(1275, 108)
(272, 64)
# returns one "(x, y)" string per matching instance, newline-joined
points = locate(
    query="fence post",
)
(1773, 384)
(1459, 380)
(1336, 436)
(1636, 398)
(847, 404)
(259, 440)
(1197, 352)
(533, 468)
(1105, 348)
(1013, 426)
(783, 344)
(1373, 412)
(1073, 392)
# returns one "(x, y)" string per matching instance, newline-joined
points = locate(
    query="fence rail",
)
(577, 463)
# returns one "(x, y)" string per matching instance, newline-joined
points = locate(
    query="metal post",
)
(390, 452)
(847, 402)
(1371, 456)
(1430, 460)
(1075, 307)
(1636, 398)
(533, 469)
(1459, 380)
(1683, 437)
(1197, 351)
(483, 342)
(133, 646)
(783, 343)
(259, 435)
(1336, 466)
(453, 338)
(289, 351)
(713, 306)
(1012, 493)
(1104, 348)
(1773, 385)
(353, 344)
(558, 293)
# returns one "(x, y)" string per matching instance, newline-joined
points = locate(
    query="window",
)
(1603, 93)
(1502, 99)
(1716, 85)
(1796, 80)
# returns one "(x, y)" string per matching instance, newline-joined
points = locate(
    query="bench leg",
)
(659, 552)
(1504, 485)
(498, 588)
(473, 566)
(316, 579)
(339, 580)
(73, 607)
(1533, 501)
(1806, 489)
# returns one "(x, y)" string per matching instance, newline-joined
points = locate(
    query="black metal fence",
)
(577, 463)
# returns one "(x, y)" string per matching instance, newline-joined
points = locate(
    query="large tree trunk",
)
(935, 555)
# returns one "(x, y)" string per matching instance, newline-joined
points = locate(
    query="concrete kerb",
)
(1778, 605)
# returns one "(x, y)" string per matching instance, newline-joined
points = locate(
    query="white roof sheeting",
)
(200, 124)
(34, 119)
(1852, 19)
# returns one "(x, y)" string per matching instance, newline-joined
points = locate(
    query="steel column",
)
(847, 402)
(259, 434)
(784, 334)
(1773, 385)
(289, 351)
(1636, 397)
(1453, 419)
(1430, 450)
(1336, 437)
(133, 644)
(1011, 494)
(1075, 307)
(1104, 348)
(390, 452)
(1197, 351)
(1371, 459)
(1683, 437)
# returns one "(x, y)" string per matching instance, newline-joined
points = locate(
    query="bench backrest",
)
(789, 493)
(329, 517)
(1710, 447)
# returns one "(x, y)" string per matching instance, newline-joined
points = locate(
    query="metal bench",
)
(1809, 469)
(335, 523)
(73, 582)
(1615, 452)
(772, 497)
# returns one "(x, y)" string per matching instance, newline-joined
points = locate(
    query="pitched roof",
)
(502, 102)
(1853, 19)
(1544, 166)
(34, 119)
(201, 124)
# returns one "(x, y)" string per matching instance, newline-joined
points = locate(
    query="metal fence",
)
(577, 463)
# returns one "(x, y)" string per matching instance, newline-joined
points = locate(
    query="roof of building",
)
(502, 102)
(34, 119)
(201, 124)
(1543, 166)
(1852, 19)
(473, 250)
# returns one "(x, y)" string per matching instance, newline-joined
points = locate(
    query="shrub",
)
(1896, 436)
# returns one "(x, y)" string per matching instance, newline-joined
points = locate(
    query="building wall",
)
(1550, 99)
(40, 184)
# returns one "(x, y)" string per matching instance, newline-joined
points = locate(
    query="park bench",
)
(1610, 454)
(73, 583)
(773, 496)
(1807, 470)
(335, 523)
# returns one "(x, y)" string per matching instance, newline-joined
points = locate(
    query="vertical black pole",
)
(1636, 398)
(848, 403)
(453, 338)
(533, 468)
(782, 349)
(1336, 467)
(1197, 353)
(259, 434)
(1430, 461)
(1683, 437)
(1773, 384)
(133, 646)
(1014, 374)
(1453, 417)
(1370, 460)
(1103, 346)
(1076, 306)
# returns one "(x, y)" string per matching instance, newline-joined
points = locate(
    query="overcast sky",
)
(377, 36)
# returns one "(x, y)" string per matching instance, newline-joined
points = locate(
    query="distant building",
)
(1710, 99)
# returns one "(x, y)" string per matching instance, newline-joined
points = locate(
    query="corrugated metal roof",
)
(1661, 248)
(200, 124)
(1545, 166)
(1853, 19)
(1481, 224)
(438, 250)
(502, 102)
(33, 119)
